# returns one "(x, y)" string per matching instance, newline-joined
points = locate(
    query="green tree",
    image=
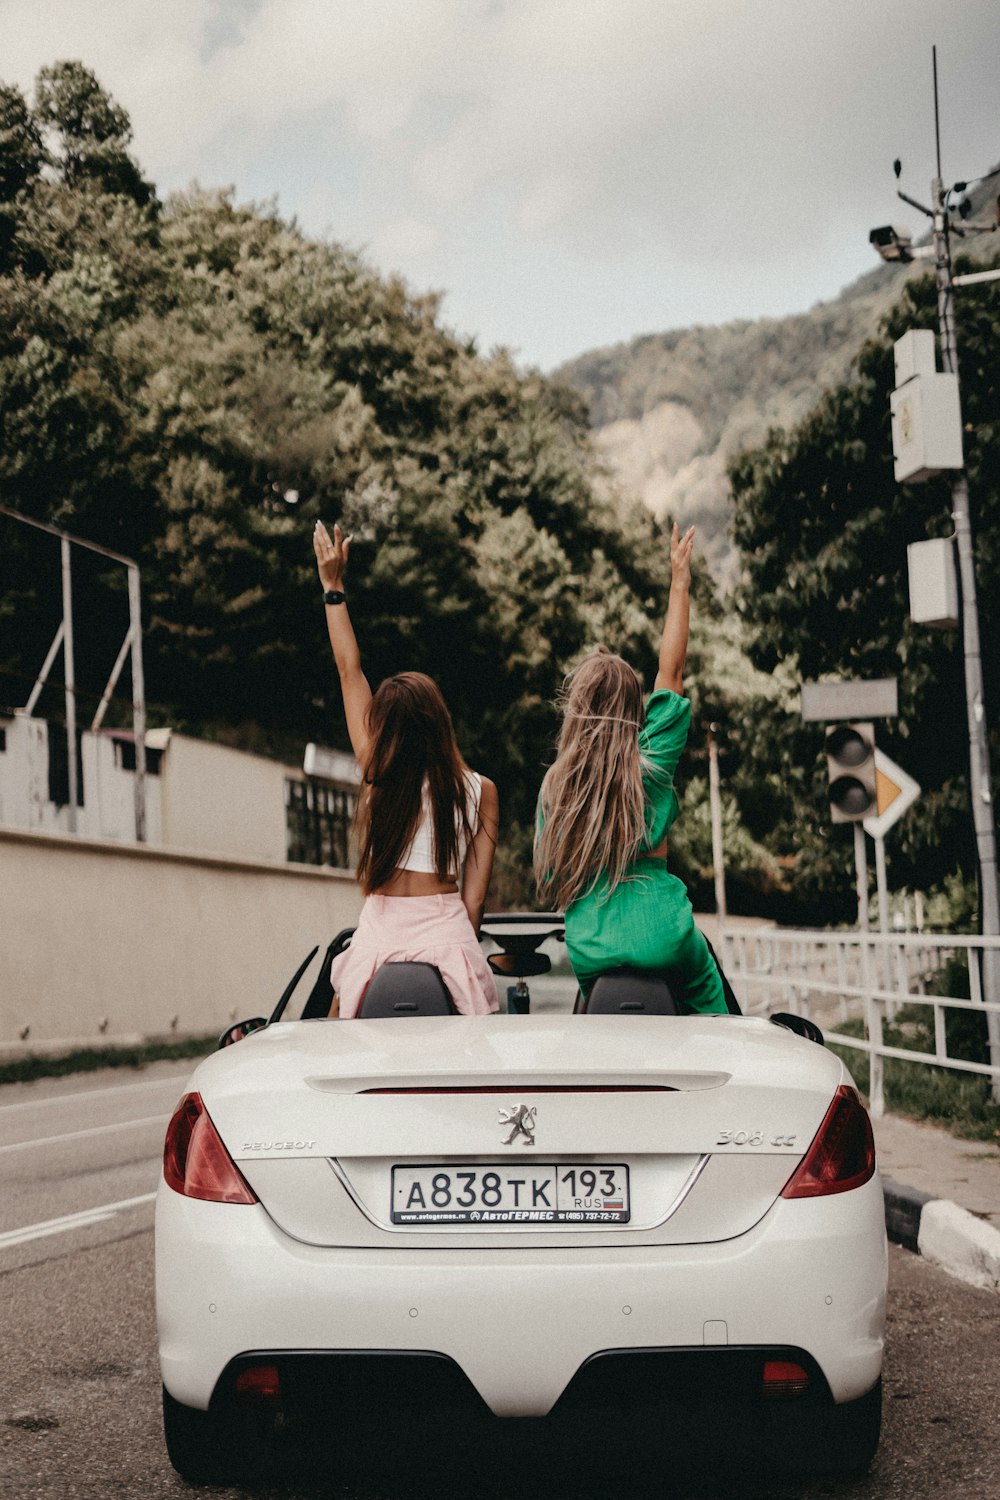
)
(822, 529)
(21, 151)
(21, 157)
(194, 386)
(91, 133)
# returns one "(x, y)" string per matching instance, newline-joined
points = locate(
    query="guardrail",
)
(832, 977)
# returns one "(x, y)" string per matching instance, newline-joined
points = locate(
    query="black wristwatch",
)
(334, 596)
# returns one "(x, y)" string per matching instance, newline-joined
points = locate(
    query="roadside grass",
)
(90, 1059)
(946, 1096)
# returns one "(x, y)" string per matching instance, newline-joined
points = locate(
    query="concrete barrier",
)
(106, 942)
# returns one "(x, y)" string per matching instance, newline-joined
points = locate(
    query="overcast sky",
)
(571, 173)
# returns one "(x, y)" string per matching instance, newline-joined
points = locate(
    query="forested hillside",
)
(672, 410)
(774, 438)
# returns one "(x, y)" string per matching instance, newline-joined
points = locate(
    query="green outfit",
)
(646, 922)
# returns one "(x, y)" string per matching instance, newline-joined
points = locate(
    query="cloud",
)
(403, 240)
(722, 156)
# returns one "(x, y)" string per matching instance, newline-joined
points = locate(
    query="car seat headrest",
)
(405, 989)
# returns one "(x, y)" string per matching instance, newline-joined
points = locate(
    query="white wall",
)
(108, 809)
(104, 942)
(204, 797)
(222, 800)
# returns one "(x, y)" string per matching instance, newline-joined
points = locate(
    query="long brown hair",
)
(412, 744)
(592, 802)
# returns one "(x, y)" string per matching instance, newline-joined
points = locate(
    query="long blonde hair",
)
(592, 803)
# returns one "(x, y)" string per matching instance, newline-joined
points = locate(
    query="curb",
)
(943, 1233)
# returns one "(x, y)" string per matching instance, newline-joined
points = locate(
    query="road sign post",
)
(895, 792)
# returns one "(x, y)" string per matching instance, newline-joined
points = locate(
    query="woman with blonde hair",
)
(427, 825)
(606, 807)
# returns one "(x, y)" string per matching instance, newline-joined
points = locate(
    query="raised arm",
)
(331, 560)
(674, 642)
(479, 860)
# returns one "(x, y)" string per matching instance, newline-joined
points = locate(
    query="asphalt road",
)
(79, 1382)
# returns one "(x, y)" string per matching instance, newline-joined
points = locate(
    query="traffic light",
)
(850, 760)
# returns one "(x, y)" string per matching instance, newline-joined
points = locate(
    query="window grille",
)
(319, 818)
(125, 757)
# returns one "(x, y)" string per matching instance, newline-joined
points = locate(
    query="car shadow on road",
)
(681, 1457)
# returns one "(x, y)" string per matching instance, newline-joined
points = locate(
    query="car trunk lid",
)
(706, 1117)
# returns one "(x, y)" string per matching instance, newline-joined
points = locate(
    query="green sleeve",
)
(664, 734)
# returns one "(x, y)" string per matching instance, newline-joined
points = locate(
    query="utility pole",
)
(896, 245)
(983, 815)
(69, 674)
(715, 802)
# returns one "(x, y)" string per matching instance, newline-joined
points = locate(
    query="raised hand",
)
(681, 548)
(674, 642)
(331, 555)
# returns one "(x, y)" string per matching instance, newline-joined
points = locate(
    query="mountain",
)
(670, 410)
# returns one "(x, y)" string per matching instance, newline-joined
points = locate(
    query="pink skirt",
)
(428, 929)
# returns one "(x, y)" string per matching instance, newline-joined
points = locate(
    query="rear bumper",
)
(422, 1383)
(521, 1323)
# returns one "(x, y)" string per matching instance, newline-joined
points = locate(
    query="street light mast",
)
(896, 245)
(983, 817)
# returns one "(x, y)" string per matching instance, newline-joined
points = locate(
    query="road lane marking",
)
(114, 1088)
(71, 1221)
(75, 1135)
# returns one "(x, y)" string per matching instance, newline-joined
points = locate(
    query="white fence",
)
(833, 977)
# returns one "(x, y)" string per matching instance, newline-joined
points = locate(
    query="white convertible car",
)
(625, 1212)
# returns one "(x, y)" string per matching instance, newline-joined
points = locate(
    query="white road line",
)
(71, 1221)
(174, 1079)
(75, 1135)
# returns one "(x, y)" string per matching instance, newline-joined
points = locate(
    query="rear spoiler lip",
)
(678, 1081)
(534, 1088)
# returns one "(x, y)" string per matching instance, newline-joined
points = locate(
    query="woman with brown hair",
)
(607, 804)
(427, 825)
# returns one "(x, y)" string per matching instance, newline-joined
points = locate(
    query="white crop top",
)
(420, 855)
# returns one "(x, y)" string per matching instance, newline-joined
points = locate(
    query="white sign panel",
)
(895, 791)
(829, 701)
(330, 765)
(933, 584)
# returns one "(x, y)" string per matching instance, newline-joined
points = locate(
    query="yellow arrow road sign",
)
(895, 791)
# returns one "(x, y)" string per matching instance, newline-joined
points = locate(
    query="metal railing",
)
(835, 977)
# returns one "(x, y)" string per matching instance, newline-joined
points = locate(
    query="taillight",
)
(260, 1385)
(195, 1161)
(842, 1154)
(783, 1378)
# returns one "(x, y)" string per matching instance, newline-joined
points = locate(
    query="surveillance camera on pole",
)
(892, 242)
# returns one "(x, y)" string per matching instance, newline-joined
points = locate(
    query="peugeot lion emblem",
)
(521, 1120)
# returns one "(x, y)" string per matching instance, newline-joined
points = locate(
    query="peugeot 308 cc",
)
(519, 1216)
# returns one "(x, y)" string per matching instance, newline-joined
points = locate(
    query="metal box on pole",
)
(926, 411)
(913, 354)
(926, 427)
(933, 584)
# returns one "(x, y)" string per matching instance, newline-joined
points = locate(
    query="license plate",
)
(502, 1193)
